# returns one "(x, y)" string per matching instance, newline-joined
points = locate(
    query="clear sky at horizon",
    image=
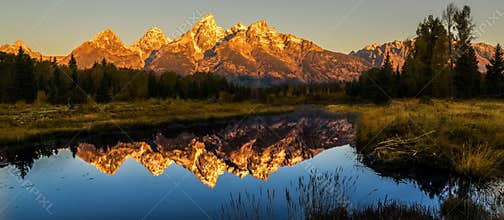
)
(55, 27)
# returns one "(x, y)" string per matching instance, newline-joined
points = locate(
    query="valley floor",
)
(22, 123)
(460, 137)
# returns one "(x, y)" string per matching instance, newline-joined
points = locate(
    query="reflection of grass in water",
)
(391, 210)
(319, 196)
(464, 208)
(249, 206)
(326, 196)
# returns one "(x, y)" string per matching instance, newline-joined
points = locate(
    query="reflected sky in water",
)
(78, 190)
(133, 180)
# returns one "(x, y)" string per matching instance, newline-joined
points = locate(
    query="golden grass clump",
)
(468, 137)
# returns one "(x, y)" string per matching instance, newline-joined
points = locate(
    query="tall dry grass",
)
(467, 137)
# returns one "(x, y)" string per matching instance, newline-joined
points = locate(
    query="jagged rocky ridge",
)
(398, 50)
(257, 147)
(256, 54)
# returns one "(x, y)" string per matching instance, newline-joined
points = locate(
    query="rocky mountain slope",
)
(106, 45)
(151, 42)
(254, 54)
(484, 53)
(14, 49)
(398, 50)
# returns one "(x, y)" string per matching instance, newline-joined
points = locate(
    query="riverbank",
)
(458, 137)
(22, 122)
(461, 137)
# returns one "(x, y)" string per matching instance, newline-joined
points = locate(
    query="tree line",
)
(29, 80)
(442, 64)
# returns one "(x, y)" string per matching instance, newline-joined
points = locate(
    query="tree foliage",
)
(442, 64)
(494, 79)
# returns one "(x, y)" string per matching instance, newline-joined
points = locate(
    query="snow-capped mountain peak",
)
(151, 41)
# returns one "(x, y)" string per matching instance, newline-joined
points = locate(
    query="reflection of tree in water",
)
(23, 157)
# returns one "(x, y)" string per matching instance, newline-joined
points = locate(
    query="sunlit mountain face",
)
(399, 51)
(251, 55)
(257, 146)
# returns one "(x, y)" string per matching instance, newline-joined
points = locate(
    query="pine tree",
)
(24, 78)
(153, 89)
(72, 64)
(4, 77)
(385, 78)
(467, 76)
(425, 70)
(88, 84)
(104, 93)
(57, 86)
(494, 78)
(77, 95)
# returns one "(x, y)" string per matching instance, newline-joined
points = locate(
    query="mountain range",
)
(256, 54)
(398, 50)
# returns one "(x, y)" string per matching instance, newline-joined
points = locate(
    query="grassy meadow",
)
(22, 122)
(461, 137)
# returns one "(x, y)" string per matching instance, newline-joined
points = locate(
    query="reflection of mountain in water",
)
(256, 147)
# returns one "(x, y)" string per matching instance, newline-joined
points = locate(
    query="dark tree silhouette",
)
(24, 78)
(494, 79)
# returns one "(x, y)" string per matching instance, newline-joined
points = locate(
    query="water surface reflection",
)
(191, 173)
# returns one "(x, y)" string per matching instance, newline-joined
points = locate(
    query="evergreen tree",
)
(426, 70)
(385, 78)
(24, 78)
(4, 77)
(72, 64)
(494, 79)
(153, 88)
(43, 72)
(57, 86)
(77, 94)
(88, 83)
(467, 76)
(104, 92)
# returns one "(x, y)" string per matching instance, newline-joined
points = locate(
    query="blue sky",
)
(55, 27)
